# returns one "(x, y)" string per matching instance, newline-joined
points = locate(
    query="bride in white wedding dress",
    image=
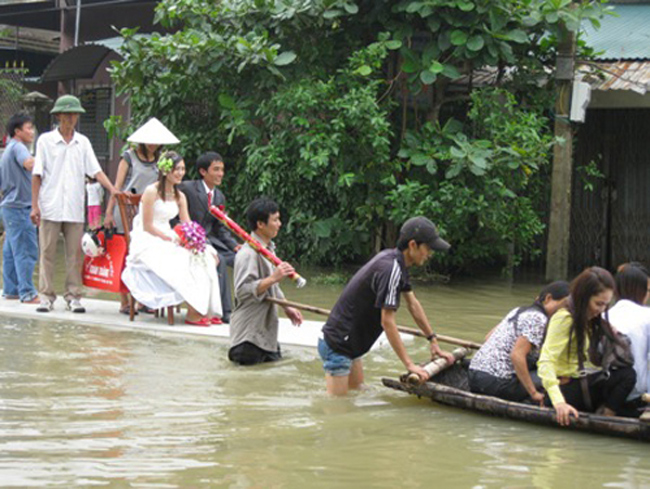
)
(159, 272)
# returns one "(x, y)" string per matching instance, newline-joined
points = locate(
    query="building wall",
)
(610, 224)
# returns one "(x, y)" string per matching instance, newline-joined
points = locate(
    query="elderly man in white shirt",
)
(63, 159)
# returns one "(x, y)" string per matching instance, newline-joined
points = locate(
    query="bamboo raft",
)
(450, 387)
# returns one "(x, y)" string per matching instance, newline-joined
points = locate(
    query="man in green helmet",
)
(63, 159)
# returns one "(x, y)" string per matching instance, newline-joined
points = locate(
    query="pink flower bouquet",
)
(192, 236)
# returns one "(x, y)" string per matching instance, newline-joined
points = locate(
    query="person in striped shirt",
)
(368, 305)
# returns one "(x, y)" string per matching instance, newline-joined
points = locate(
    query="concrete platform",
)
(105, 314)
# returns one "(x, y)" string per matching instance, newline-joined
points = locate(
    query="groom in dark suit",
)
(200, 194)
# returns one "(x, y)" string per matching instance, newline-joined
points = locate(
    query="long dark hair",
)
(592, 281)
(176, 159)
(632, 282)
(142, 149)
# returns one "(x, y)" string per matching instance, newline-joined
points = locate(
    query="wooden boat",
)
(451, 387)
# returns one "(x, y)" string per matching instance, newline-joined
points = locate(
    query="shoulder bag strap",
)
(584, 383)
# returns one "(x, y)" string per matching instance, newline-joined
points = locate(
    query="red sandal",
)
(204, 322)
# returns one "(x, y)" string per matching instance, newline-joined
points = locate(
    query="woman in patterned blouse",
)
(500, 367)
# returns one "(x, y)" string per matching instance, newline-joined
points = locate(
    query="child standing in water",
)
(95, 194)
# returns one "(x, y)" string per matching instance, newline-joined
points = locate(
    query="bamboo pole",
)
(256, 245)
(458, 398)
(402, 329)
(436, 366)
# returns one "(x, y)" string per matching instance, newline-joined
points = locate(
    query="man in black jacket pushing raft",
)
(368, 306)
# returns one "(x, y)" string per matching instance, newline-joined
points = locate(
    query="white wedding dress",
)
(161, 273)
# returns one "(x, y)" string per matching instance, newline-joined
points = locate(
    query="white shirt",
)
(95, 193)
(62, 168)
(207, 191)
(633, 320)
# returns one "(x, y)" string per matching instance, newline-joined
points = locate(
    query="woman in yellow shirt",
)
(570, 332)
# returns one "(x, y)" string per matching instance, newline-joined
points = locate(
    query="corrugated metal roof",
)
(624, 37)
(621, 75)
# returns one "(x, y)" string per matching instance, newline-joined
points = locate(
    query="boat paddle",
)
(401, 329)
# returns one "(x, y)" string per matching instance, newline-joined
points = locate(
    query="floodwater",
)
(83, 406)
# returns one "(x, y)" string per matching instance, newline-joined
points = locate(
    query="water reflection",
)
(83, 406)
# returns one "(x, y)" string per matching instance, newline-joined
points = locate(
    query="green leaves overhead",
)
(340, 110)
(427, 77)
(363, 70)
(472, 33)
(518, 36)
(478, 181)
(285, 58)
(451, 72)
(410, 62)
(475, 43)
(393, 44)
(458, 38)
(465, 6)
(226, 101)
(351, 8)
(436, 67)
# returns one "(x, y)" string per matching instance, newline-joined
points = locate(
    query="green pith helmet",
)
(67, 104)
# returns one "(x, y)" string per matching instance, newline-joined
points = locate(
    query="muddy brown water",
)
(83, 406)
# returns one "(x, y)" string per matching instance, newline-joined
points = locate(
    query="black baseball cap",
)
(422, 230)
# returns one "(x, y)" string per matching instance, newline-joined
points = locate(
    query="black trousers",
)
(225, 260)
(610, 390)
(247, 353)
(509, 389)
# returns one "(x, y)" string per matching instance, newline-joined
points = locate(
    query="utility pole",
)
(77, 23)
(557, 257)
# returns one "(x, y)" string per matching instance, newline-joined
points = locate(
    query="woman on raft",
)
(500, 368)
(574, 333)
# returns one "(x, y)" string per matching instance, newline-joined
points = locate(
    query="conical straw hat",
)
(153, 132)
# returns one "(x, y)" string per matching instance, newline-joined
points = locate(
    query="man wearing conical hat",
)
(63, 159)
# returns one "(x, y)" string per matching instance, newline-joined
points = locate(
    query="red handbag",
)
(105, 272)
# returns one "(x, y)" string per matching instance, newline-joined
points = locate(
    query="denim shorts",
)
(334, 363)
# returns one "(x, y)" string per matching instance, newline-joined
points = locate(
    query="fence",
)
(12, 79)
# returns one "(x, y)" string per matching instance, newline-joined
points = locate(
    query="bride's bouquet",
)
(192, 236)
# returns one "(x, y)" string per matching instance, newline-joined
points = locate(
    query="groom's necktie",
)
(209, 199)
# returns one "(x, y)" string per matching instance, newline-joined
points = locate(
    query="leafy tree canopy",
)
(355, 115)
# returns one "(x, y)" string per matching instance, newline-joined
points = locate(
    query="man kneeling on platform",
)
(254, 322)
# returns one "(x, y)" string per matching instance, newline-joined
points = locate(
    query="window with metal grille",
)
(97, 103)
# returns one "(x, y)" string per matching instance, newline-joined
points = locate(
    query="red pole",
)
(256, 245)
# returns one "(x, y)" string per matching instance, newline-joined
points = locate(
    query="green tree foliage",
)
(481, 178)
(336, 108)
